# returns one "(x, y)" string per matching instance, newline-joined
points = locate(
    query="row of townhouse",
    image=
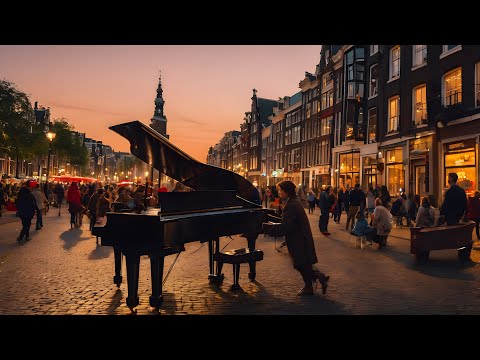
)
(403, 116)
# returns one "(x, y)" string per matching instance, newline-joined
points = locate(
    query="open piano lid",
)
(154, 149)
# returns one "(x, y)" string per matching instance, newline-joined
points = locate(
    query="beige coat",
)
(382, 220)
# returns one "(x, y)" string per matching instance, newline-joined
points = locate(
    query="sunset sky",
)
(207, 89)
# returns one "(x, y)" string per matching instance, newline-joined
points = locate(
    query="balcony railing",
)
(453, 99)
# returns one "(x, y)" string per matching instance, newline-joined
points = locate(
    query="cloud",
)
(83, 108)
(187, 120)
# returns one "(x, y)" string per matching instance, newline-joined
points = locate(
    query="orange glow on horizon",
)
(207, 89)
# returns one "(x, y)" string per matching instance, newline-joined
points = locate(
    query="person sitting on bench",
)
(361, 226)
(425, 215)
(382, 223)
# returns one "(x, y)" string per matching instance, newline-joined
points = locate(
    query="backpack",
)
(310, 198)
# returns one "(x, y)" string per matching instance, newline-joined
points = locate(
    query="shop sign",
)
(466, 144)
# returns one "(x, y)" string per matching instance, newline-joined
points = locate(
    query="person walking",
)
(355, 199)
(74, 204)
(92, 207)
(340, 205)
(473, 211)
(41, 200)
(311, 202)
(26, 206)
(324, 205)
(298, 236)
(455, 203)
(59, 191)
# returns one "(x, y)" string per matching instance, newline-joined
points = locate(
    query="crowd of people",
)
(375, 204)
(94, 200)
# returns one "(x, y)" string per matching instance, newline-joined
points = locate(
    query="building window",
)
(326, 125)
(296, 135)
(395, 62)
(460, 159)
(327, 79)
(449, 47)
(452, 87)
(349, 170)
(373, 49)
(419, 105)
(395, 172)
(324, 152)
(393, 113)
(288, 120)
(327, 99)
(477, 84)
(372, 125)
(338, 88)
(419, 55)
(338, 129)
(373, 80)
(288, 137)
(308, 110)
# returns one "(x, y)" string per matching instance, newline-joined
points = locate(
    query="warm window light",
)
(93, 173)
(146, 173)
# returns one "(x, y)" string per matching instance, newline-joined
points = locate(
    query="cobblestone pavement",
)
(62, 271)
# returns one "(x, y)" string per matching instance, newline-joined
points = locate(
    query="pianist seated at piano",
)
(298, 236)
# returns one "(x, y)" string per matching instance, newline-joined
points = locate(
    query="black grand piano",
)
(223, 203)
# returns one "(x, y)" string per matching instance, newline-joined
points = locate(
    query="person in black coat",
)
(324, 204)
(455, 203)
(26, 206)
(298, 236)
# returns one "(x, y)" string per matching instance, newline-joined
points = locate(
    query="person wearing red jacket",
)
(473, 211)
(74, 203)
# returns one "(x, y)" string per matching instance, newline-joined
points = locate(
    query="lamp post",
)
(50, 136)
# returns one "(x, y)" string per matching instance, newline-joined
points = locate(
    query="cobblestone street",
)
(63, 271)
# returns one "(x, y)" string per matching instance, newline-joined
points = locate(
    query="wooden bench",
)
(237, 257)
(424, 240)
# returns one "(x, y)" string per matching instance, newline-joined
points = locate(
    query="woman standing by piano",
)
(298, 236)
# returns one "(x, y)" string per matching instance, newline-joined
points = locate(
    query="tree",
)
(19, 136)
(68, 146)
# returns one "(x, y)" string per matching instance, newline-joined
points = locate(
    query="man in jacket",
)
(324, 205)
(41, 200)
(26, 206)
(455, 203)
(357, 198)
(298, 236)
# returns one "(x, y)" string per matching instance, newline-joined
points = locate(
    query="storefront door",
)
(420, 177)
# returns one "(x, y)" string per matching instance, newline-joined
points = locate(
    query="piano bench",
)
(237, 257)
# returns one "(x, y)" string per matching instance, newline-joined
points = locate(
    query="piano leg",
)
(133, 266)
(214, 277)
(251, 246)
(236, 276)
(156, 267)
(117, 279)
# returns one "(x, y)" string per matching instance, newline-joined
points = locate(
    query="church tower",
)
(159, 120)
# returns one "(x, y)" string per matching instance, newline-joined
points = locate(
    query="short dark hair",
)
(453, 176)
(27, 183)
(100, 191)
(357, 185)
(425, 202)
(37, 186)
(288, 186)
(328, 188)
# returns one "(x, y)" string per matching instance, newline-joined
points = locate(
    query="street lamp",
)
(50, 137)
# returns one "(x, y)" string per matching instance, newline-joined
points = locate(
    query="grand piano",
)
(222, 204)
